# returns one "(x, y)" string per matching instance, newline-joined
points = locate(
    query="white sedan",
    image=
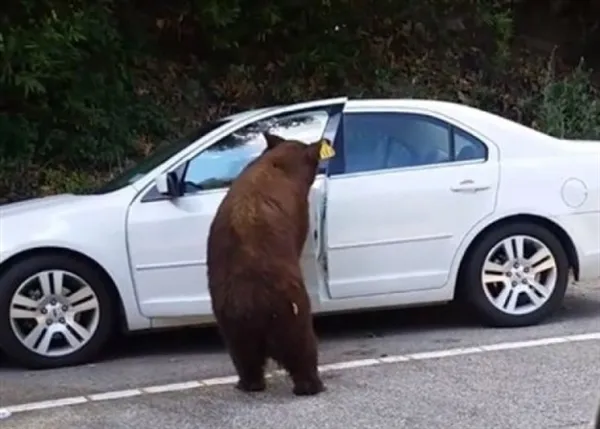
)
(424, 201)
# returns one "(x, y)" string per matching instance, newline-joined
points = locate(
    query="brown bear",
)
(255, 241)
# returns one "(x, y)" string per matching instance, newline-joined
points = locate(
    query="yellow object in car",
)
(326, 151)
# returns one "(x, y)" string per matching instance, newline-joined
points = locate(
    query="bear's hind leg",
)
(249, 358)
(305, 374)
(296, 351)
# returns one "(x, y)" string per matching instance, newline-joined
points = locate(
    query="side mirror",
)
(167, 184)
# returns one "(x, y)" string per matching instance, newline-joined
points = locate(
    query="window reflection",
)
(217, 166)
(380, 141)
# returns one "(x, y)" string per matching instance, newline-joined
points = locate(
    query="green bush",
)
(570, 107)
(88, 87)
(66, 85)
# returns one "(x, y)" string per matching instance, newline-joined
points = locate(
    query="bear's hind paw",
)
(251, 386)
(308, 389)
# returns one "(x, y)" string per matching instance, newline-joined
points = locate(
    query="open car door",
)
(167, 235)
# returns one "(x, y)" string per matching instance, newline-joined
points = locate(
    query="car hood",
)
(35, 204)
(61, 220)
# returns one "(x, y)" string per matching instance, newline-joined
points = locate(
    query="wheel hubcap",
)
(519, 275)
(54, 313)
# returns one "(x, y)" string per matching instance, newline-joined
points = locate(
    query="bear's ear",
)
(272, 140)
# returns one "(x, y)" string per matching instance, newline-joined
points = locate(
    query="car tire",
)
(479, 290)
(93, 309)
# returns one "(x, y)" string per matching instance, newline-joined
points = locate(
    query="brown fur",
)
(254, 276)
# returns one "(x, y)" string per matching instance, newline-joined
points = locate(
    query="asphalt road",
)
(527, 385)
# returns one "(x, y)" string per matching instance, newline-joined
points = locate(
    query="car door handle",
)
(469, 186)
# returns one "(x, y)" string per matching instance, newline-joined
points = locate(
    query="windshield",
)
(157, 157)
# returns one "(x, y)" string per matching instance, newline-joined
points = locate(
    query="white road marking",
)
(172, 387)
(585, 337)
(117, 394)
(348, 364)
(217, 381)
(394, 359)
(53, 403)
(524, 344)
(443, 353)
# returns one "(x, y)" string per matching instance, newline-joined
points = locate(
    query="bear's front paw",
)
(251, 386)
(309, 388)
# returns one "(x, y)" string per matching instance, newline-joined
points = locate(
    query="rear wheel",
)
(54, 311)
(517, 275)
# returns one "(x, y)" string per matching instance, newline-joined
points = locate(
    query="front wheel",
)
(54, 311)
(517, 275)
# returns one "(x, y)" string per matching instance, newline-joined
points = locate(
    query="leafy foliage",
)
(88, 87)
(570, 108)
(67, 85)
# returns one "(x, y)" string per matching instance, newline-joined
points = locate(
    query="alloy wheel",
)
(519, 275)
(54, 313)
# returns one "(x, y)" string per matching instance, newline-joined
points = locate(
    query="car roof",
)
(462, 112)
(248, 113)
(513, 138)
(510, 133)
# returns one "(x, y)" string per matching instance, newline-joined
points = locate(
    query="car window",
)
(468, 147)
(158, 156)
(217, 166)
(386, 140)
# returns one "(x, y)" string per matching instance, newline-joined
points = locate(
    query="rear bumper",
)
(589, 267)
(584, 230)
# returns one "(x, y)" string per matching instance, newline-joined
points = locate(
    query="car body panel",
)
(375, 249)
(92, 225)
(561, 177)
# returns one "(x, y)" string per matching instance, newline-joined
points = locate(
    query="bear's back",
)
(263, 216)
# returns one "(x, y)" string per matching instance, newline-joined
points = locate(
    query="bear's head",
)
(295, 159)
